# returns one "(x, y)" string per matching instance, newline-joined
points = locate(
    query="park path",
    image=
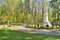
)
(39, 31)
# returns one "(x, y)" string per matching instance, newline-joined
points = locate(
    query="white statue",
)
(45, 18)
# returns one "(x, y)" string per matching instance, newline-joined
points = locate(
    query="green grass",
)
(19, 35)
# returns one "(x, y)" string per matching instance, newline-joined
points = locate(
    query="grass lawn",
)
(6, 34)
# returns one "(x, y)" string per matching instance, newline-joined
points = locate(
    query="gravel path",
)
(39, 31)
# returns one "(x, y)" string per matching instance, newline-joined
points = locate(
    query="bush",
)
(42, 27)
(34, 26)
(55, 27)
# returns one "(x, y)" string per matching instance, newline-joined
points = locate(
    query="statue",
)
(45, 16)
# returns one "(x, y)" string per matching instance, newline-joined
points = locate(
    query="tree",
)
(55, 4)
(10, 7)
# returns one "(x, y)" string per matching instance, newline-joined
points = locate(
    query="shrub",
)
(42, 27)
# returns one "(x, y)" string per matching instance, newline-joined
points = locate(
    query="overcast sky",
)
(49, 0)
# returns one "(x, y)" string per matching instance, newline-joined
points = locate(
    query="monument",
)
(45, 16)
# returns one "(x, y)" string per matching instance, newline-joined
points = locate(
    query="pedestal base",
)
(46, 23)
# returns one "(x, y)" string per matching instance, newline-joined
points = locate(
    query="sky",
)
(23, 1)
(49, 0)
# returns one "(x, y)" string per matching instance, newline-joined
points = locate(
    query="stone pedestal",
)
(45, 20)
